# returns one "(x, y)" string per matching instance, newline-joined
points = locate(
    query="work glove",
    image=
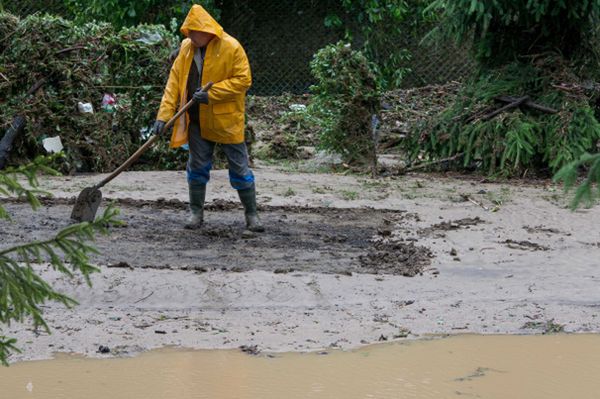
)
(201, 96)
(158, 127)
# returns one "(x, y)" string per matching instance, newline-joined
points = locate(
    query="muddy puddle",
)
(298, 239)
(556, 366)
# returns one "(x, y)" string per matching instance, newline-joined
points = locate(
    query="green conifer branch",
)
(22, 289)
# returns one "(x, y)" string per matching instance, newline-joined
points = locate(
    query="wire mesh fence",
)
(24, 8)
(435, 62)
(281, 38)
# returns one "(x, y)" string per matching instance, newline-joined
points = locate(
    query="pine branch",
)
(584, 193)
(22, 290)
(9, 184)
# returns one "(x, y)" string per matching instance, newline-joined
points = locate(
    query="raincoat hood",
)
(200, 20)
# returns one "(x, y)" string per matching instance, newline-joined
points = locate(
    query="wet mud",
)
(297, 239)
(309, 283)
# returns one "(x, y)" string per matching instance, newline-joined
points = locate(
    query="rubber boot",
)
(197, 196)
(248, 199)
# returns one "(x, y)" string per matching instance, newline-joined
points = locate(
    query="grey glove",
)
(201, 96)
(158, 127)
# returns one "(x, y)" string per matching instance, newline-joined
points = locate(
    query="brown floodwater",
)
(552, 366)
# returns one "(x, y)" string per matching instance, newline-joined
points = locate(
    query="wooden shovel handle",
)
(150, 141)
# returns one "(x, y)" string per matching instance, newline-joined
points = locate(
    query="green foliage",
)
(382, 28)
(585, 193)
(81, 63)
(346, 98)
(22, 290)
(122, 13)
(520, 34)
(24, 7)
(515, 141)
(9, 185)
(503, 30)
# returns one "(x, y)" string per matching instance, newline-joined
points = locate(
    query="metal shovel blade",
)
(86, 205)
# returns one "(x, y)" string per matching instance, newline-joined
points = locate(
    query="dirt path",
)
(487, 258)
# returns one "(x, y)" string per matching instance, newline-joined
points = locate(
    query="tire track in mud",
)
(324, 240)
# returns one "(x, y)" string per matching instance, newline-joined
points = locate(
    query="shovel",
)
(89, 199)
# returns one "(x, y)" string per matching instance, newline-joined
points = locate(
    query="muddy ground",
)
(319, 240)
(332, 271)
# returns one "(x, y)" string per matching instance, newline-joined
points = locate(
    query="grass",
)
(322, 189)
(499, 198)
(372, 183)
(349, 195)
(547, 327)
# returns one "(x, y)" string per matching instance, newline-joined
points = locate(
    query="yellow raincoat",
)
(226, 65)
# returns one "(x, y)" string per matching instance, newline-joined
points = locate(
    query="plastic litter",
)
(146, 132)
(109, 103)
(85, 108)
(150, 38)
(52, 144)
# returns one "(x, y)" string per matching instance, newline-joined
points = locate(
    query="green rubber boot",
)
(248, 199)
(197, 196)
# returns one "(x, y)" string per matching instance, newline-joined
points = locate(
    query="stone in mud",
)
(247, 234)
(250, 349)
(452, 225)
(525, 245)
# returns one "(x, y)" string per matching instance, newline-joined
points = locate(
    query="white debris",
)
(52, 144)
(85, 108)
(298, 107)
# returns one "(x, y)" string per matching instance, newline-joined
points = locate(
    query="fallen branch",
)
(414, 112)
(36, 86)
(510, 106)
(391, 143)
(528, 103)
(146, 297)
(125, 87)
(426, 164)
(466, 197)
(68, 49)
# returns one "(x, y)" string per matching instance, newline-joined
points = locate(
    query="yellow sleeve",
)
(237, 84)
(170, 98)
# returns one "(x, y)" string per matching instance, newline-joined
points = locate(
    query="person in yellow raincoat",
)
(208, 54)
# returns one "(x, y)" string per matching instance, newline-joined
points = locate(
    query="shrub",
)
(346, 100)
(81, 63)
(515, 141)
